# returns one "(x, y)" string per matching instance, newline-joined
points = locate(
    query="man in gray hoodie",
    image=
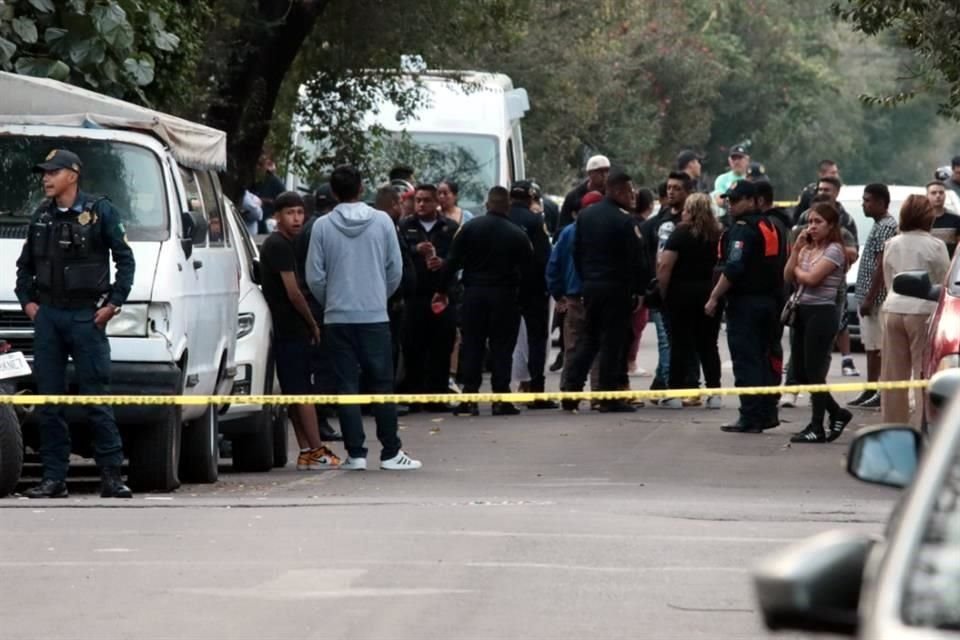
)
(353, 266)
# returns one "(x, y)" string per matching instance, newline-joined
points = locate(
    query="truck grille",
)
(17, 330)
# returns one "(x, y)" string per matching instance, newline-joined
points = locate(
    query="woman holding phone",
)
(817, 267)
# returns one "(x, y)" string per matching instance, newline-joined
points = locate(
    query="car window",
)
(932, 595)
(216, 229)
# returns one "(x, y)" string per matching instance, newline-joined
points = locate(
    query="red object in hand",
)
(438, 306)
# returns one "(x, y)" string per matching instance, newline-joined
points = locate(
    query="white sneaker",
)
(671, 403)
(788, 401)
(399, 462)
(715, 402)
(354, 464)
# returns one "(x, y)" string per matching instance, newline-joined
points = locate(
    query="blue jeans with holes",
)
(364, 352)
(59, 334)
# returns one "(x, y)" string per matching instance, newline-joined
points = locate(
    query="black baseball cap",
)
(738, 150)
(741, 189)
(522, 189)
(685, 157)
(60, 159)
(757, 171)
(323, 198)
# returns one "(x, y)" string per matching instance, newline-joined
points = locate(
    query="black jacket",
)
(656, 231)
(492, 252)
(534, 279)
(441, 235)
(608, 249)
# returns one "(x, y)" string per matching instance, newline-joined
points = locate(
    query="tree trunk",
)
(263, 48)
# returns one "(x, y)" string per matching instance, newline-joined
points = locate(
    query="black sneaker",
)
(571, 406)
(47, 489)
(873, 404)
(616, 406)
(467, 409)
(863, 397)
(838, 423)
(811, 434)
(542, 404)
(505, 409)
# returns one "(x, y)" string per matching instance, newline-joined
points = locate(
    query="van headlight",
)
(245, 324)
(131, 322)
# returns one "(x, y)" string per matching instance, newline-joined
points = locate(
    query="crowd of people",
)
(418, 295)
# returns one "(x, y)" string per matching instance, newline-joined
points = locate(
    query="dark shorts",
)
(294, 360)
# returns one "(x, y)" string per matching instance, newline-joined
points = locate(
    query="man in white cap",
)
(598, 167)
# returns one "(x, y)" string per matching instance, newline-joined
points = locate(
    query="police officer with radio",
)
(63, 283)
(752, 255)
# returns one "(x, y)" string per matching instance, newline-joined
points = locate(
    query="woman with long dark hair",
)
(685, 271)
(817, 267)
(448, 194)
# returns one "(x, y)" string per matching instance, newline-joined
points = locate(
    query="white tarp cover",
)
(28, 100)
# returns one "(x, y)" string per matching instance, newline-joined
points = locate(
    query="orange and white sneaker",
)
(321, 458)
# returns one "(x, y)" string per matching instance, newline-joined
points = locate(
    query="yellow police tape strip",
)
(31, 400)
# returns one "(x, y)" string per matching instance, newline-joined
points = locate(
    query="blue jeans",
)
(662, 374)
(59, 333)
(364, 351)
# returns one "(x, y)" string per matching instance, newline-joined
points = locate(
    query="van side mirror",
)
(916, 284)
(814, 585)
(194, 231)
(887, 455)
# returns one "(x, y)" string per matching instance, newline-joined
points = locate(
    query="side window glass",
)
(511, 161)
(192, 187)
(217, 232)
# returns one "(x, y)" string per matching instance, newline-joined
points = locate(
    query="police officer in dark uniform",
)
(752, 255)
(609, 257)
(493, 253)
(63, 283)
(534, 299)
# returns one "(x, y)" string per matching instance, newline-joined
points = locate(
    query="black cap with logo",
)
(741, 189)
(522, 189)
(739, 150)
(60, 159)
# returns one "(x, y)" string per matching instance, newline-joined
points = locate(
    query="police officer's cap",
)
(757, 171)
(522, 189)
(738, 150)
(60, 159)
(740, 190)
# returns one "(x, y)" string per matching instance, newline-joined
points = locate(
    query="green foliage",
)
(111, 46)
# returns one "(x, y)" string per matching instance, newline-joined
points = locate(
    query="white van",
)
(469, 132)
(176, 334)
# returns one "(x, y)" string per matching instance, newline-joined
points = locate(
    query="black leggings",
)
(693, 344)
(811, 343)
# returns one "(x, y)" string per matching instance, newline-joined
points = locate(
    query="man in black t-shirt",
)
(946, 224)
(295, 331)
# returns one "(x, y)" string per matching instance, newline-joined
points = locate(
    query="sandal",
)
(838, 423)
(810, 434)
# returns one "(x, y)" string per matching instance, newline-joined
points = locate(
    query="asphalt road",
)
(542, 526)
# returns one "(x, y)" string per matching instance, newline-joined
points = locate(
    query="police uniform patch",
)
(84, 218)
(51, 155)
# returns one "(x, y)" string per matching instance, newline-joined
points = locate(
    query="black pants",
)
(608, 333)
(428, 340)
(489, 314)
(811, 343)
(535, 310)
(752, 322)
(693, 344)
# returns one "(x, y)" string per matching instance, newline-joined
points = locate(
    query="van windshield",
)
(127, 174)
(470, 160)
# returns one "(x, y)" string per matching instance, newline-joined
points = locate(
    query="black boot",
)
(505, 409)
(538, 386)
(111, 484)
(467, 409)
(48, 489)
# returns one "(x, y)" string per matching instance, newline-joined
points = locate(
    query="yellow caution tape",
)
(420, 398)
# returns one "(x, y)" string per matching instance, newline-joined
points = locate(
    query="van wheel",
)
(11, 450)
(154, 452)
(253, 449)
(279, 424)
(200, 456)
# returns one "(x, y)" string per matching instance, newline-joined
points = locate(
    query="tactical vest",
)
(71, 260)
(764, 273)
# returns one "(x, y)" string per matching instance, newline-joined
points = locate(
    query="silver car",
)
(903, 585)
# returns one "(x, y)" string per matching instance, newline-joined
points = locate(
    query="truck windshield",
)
(128, 175)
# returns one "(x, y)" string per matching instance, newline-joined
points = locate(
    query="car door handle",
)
(197, 264)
